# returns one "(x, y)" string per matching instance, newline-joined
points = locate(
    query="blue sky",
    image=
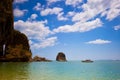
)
(82, 29)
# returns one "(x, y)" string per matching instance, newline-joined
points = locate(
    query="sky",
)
(82, 29)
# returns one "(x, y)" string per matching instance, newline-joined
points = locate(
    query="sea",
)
(70, 70)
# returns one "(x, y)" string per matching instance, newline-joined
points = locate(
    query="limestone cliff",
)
(14, 45)
(19, 50)
(6, 23)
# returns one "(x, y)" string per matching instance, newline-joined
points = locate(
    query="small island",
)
(40, 59)
(87, 61)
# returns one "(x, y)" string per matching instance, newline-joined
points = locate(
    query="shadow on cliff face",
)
(14, 45)
(6, 23)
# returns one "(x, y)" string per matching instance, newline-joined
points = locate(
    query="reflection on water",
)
(14, 71)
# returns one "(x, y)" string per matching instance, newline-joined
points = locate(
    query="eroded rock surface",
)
(14, 45)
(61, 57)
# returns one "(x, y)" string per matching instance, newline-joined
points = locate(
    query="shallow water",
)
(71, 70)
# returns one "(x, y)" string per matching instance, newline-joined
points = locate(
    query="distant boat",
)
(87, 61)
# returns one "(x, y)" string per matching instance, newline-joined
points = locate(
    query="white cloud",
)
(52, 1)
(73, 2)
(34, 30)
(38, 7)
(19, 13)
(79, 27)
(90, 10)
(46, 43)
(71, 13)
(20, 1)
(108, 8)
(32, 17)
(99, 41)
(37, 33)
(114, 10)
(82, 16)
(61, 17)
(50, 11)
(117, 27)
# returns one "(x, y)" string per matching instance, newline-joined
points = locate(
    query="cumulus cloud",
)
(33, 17)
(90, 10)
(34, 30)
(45, 43)
(37, 33)
(19, 13)
(117, 27)
(108, 8)
(98, 41)
(52, 1)
(50, 11)
(113, 11)
(73, 2)
(61, 17)
(38, 7)
(20, 1)
(79, 27)
(71, 13)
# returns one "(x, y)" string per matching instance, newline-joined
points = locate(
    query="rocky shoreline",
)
(60, 58)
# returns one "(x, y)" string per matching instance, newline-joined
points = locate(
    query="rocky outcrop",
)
(40, 59)
(18, 53)
(20, 49)
(18, 39)
(14, 45)
(61, 57)
(6, 23)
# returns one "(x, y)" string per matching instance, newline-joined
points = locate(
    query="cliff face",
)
(61, 57)
(19, 50)
(14, 45)
(6, 23)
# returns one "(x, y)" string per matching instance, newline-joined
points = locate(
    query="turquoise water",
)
(71, 70)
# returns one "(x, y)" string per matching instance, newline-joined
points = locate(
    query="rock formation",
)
(61, 57)
(40, 59)
(19, 50)
(6, 23)
(14, 45)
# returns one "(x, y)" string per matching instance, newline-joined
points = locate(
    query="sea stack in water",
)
(61, 57)
(14, 45)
